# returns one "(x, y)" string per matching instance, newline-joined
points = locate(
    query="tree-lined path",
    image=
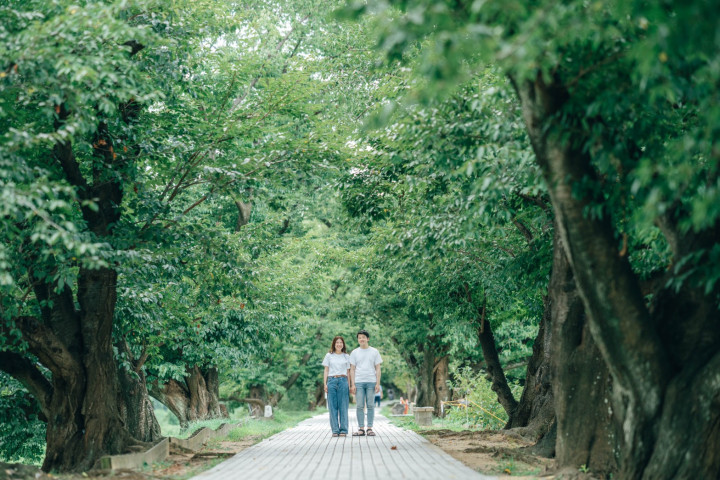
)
(309, 451)
(519, 201)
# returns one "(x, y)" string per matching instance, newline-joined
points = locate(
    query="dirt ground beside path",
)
(180, 464)
(492, 453)
(183, 463)
(500, 454)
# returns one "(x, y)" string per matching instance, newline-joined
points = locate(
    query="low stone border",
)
(200, 437)
(161, 450)
(158, 453)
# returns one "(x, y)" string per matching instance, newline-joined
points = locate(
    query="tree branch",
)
(48, 348)
(506, 250)
(538, 200)
(473, 256)
(62, 317)
(592, 68)
(492, 360)
(141, 361)
(62, 151)
(27, 373)
(252, 401)
(524, 230)
(410, 359)
(509, 366)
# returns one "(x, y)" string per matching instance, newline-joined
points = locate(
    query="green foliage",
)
(247, 113)
(457, 224)
(79, 70)
(642, 99)
(480, 407)
(22, 433)
(53, 92)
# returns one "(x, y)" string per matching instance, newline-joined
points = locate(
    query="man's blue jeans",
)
(338, 401)
(365, 395)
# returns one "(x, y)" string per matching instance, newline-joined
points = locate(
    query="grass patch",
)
(508, 466)
(261, 428)
(408, 423)
(170, 427)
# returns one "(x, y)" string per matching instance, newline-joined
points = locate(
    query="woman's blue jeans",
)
(338, 401)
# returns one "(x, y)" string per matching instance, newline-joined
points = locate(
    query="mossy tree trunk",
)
(661, 357)
(195, 397)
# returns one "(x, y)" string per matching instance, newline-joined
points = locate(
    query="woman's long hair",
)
(332, 346)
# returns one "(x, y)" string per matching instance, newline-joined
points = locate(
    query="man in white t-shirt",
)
(365, 380)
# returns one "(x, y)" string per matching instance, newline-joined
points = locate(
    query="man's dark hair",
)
(363, 332)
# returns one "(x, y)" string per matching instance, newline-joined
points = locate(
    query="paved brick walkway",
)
(308, 451)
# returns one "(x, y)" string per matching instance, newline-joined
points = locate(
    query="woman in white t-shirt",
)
(337, 372)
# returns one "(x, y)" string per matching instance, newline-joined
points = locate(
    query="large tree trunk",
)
(495, 372)
(661, 360)
(81, 400)
(64, 449)
(535, 412)
(431, 369)
(259, 394)
(433, 376)
(136, 409)
(688, 431)
(441, 377)
(103, 427)
(194, 398)
(565, 357)
(588, 429)
(84, 420)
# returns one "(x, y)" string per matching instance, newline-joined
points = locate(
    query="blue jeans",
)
(365, 396)
(338, 401)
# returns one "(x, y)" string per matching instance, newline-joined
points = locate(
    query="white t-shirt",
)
(365, 360)
(339, 363)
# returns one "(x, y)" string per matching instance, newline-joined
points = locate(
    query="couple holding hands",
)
(357, 373)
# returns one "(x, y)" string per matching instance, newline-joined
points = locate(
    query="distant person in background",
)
(365, 379)
(391, 394)
(378, 397)
(337, 388)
